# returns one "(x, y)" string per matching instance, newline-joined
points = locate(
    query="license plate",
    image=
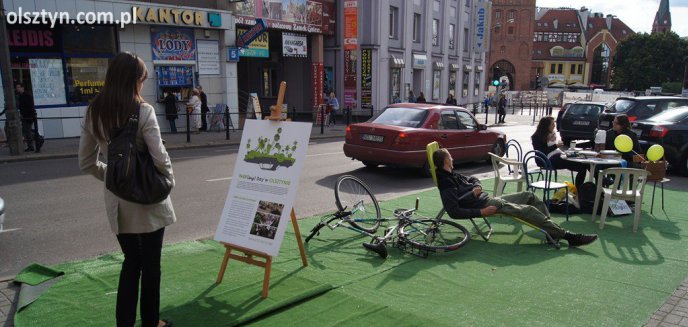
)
(637, 131)
(581, 123)
(372, 138)
(604, 123)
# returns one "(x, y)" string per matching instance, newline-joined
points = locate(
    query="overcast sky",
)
(637, 14)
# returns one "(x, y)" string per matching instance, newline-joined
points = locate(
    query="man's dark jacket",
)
(456, 191)
(26, 107)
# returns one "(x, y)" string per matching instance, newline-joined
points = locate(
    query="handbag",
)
(131, 174)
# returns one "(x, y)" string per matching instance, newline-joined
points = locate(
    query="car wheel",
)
(498, 148)
(370, 165)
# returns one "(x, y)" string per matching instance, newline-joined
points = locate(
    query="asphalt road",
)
(56, 214)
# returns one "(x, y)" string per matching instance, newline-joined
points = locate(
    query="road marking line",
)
(323, 154)
(192, 157)
(218, 179)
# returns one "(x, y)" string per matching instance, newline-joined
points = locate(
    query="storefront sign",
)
(232, 54)
(208, 57)
(172, 16)
(258, 48)
(480, 27)
(350, 24)
(173, 44)
(264, 185)
(318, 71)
(317, 16)
(294, 45)
(47, 81)
(366, 78)
(251, 34)
(419, 61)
(33, 38)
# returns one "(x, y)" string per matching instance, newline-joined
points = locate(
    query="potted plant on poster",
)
(269, 154)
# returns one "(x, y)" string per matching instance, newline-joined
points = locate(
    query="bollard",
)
(475, 109)
(188, 127)
(227, 122)
(322, 119)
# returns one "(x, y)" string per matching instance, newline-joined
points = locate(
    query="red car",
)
(398, 136)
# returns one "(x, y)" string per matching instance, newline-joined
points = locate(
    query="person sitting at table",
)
(545, 140)
(620, 126)
(463, 197)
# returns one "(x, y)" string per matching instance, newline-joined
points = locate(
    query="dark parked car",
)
(561, 113)
(398, 136)
(639, 108)
(579, 122)
(670, 129)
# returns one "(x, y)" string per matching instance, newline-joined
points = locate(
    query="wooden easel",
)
(248, 254)
(248, 257)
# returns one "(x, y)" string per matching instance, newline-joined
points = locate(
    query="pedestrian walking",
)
(411, 97)
(171, 110)
(451, 100)
(204, 108)
(139, 228)
(195, 104)
(29, 119)
(501, 108)
(333, 108)
(486, 103)
(421, 98)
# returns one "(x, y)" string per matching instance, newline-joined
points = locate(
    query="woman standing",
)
(501, 108)
(545, 141)
(195, 104)
(139, 228)
(334, 106)
(171, 110)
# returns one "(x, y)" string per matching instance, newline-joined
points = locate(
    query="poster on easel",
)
(266, 176)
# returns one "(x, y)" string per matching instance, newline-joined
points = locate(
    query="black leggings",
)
(141, 261)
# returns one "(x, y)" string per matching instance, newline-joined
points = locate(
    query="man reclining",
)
(463, 198)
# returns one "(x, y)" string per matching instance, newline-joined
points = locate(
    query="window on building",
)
(553, 69)
(269, 82)
(466, 40)
(573, 69)
(476, 84)
(416, 28)
(393, 22)
(580, 69)
(86, 77)
(436, 6)
(498, 14)
(452, 83)
(511, 15)
(560, 69)
(452, 35)
(510, 30)
(436, 32)
(464, 90)
(468, 3)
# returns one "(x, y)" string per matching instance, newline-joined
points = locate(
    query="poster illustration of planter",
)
(269, 153)
(264, 184)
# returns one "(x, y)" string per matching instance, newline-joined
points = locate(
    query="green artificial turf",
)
(512, 280)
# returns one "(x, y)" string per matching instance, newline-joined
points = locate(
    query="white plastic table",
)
(593, 162)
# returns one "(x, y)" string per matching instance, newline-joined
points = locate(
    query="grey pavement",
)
(673, 313)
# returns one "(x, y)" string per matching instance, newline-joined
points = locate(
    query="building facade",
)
(63, 66)
(389, 48)
(511, 42)
(662, 22)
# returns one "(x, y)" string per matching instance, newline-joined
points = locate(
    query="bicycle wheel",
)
(435, 235)
(353, 195)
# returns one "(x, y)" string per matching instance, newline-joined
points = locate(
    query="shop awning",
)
(437, 65)
(395, 62)
(479, 69)
(454, 67)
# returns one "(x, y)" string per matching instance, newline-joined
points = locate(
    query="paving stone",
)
(673, 319)
(684, 322)
(666, 308)
(652, 323)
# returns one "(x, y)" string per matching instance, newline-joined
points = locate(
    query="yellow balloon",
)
(623, 143)
(655, 152)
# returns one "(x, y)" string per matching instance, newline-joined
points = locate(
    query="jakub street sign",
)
(256, 30)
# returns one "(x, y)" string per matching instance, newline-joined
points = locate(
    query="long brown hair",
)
(542, 129)
(119, 98)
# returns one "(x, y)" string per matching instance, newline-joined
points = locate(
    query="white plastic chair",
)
(629, 184)
(516, 176)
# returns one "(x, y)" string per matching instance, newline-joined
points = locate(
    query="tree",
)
(644, 60)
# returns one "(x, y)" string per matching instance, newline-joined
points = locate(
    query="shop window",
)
(89, 39)
(269, 82)
(396, 85)
(452, 83)
(436, 81)
(476, 82)
(85, 77)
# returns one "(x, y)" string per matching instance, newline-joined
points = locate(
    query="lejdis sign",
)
(33, 38)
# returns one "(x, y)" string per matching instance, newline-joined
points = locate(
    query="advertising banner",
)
(266, 176)
(173, 44)
(294, 45)
(208, 57)
(350, 24)
(350, 61)
(251, 34)
(366, 78)
(47, 81)
(318, 83)
(308, 16)
(481, 28)
(258, 48)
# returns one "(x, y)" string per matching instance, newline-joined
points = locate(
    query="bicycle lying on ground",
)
(358, 210)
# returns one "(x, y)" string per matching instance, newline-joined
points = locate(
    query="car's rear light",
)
(348, 133)
(402, 138)
(632, 118)
(659, 131)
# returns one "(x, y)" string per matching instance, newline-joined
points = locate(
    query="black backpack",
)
(130, 174)
(586, 197)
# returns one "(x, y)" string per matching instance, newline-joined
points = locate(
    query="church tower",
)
(662, 21)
